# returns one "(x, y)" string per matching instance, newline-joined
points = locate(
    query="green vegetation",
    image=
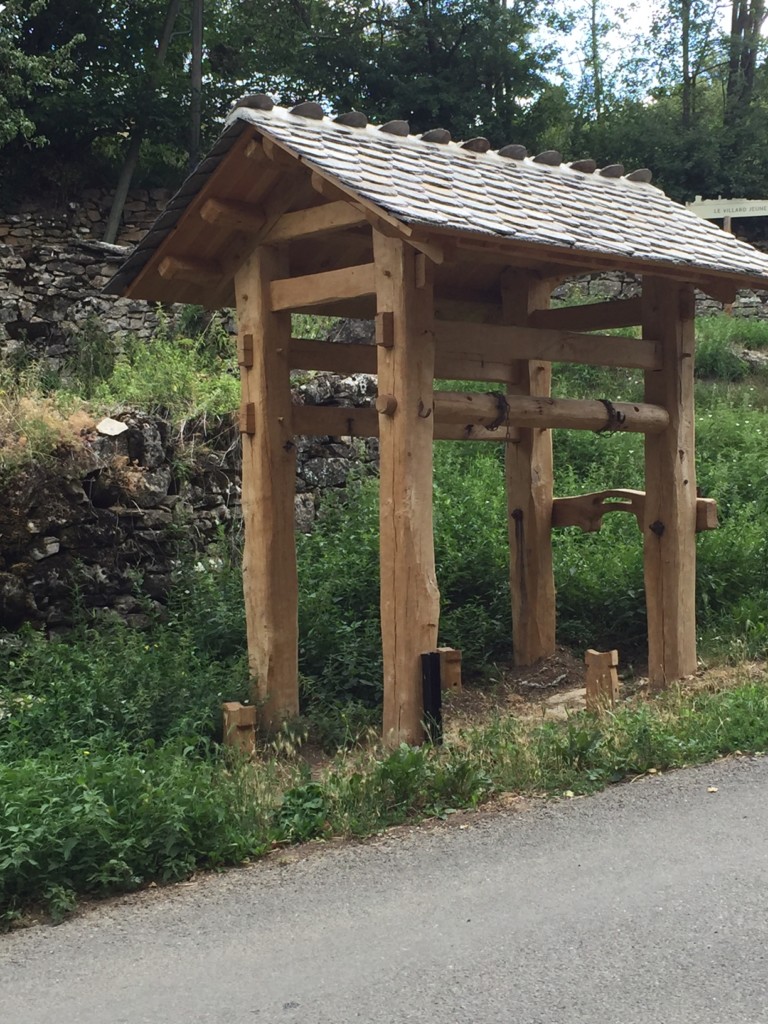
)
(111, 770)
(85, 94)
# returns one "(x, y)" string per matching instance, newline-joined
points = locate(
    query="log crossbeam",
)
(295, 293)
(489, 417)
(587, 510)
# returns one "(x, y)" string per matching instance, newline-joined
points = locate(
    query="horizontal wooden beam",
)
(596, 316)
(478, 354)
(335, 420)
(233, 215)
(331, 286)
(587, 510)
(570, 262)
(479, 417)
(332, 356)
(315, 221)
(498, 412)
(176, 268)
(498, 343)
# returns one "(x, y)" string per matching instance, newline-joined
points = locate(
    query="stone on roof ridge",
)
(477, 146)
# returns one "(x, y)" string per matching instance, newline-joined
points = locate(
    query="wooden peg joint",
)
(245, 350)
(386, 405)
(248, 418)
(385, 329)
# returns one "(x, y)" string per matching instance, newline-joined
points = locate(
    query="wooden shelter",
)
(454, 250)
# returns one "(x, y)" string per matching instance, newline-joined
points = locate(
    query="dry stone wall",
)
(104, 522)
(53, 266)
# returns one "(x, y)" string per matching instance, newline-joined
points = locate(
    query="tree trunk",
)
(686, 47)
(139, 127)
(196, 83)
(747, 17)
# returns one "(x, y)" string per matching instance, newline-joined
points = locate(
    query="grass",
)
(111, 773)
(104, 820)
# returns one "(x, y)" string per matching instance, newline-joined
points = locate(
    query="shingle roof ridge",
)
(453, 146)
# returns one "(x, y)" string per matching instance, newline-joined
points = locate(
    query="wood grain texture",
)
(293, 293)
(669, 520)
(410, 601)
(594, 316)
(494, 343)
(269, 470)
(528, 467)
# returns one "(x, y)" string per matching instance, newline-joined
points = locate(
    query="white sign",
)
(714, 209)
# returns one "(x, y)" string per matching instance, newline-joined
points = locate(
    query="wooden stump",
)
(602, 679)
(450, 668)
(239, 730)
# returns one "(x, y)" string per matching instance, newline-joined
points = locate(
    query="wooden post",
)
(269, 472)
(410, 602)
(602, 679)
(239, 727)
(669, 519)
(529, 490)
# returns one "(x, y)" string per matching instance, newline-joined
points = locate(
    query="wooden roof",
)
(574, 218)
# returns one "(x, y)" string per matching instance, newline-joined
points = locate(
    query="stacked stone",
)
(85, 218)
(598, 287)
(49, 292)
(110, 517)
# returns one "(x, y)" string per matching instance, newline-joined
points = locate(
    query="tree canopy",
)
(678, 85)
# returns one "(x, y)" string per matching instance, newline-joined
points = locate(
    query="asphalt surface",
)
(647, 903)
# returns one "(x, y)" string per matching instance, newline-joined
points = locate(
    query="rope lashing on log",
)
(503, 406)
(616, 418)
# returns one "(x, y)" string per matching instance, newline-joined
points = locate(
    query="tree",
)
(22, 73)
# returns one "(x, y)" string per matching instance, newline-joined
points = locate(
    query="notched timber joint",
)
(587, 510)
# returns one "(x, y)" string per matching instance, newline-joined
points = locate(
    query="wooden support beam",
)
(176, 268)
(269, 472)
(529, 481)
(293, 293)
(231, 215)
(476, 417)
(587, 510)
(486, 362)
(316, 221)
(594, 316)
(565, 262)
(494, 343)
(332, 356)
(669, 521)
(410, 601)
(334, 421)
(518, 410)
(602, 679)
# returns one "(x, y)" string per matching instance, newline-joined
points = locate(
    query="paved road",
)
(647, 903)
